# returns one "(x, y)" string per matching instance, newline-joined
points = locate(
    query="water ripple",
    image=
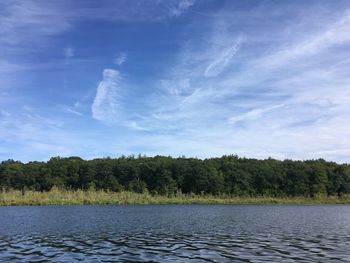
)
(176, 234)
(147, 247)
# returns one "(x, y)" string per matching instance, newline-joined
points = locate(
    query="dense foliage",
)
(167, 176)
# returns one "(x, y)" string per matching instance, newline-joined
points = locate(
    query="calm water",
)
(196, 233)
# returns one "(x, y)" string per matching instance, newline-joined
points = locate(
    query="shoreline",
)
(57, 197)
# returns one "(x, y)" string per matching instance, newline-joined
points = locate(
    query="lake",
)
(175, 233)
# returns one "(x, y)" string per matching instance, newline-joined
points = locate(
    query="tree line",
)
(162, 175)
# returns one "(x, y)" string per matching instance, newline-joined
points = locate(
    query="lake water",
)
(175, 233)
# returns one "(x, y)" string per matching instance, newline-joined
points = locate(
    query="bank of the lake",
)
(79, 197)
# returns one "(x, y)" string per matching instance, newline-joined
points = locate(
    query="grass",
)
(79, 197)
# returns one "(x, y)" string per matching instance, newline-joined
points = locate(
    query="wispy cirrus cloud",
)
(25, 27)
(120, 58)
(105, 104)
(179, 7)
(135, 126)
(27, 20)
(68, 52)
(253, 114)
(260, 79)
(283, 98)
(32, 71)
(74, 112)
(220, 63)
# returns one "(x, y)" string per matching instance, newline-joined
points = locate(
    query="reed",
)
(90, 197)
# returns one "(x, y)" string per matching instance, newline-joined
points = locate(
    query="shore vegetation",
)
(161, 179)
(101, 197)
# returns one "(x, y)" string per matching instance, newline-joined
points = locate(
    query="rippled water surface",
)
(162, 233)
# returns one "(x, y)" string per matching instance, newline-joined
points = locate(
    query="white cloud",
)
(25, 30)
(105, 105)
(28, 20)
(77, 104)
(135, 126)
(68, 52)
(222, 61)
(290, 93)
(74, 112)
(120, 58)
(288, 86)
(180, 7)
(253, 114)
(39, 138)
(333, 34)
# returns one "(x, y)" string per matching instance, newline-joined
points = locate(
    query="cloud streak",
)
(120, 58)
(180, 7)
(68, 52)
(287, 97)
(268, 80)
(219, 64)
(253, 114)
(105, 105)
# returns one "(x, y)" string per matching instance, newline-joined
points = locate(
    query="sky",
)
(191, 78)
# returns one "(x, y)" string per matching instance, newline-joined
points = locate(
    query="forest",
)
(168, 176)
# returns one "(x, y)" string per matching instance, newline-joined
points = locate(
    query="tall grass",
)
(80, 197)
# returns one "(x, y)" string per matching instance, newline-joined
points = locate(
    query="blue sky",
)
(196, 78)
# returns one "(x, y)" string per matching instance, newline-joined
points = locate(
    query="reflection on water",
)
(175, 233)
